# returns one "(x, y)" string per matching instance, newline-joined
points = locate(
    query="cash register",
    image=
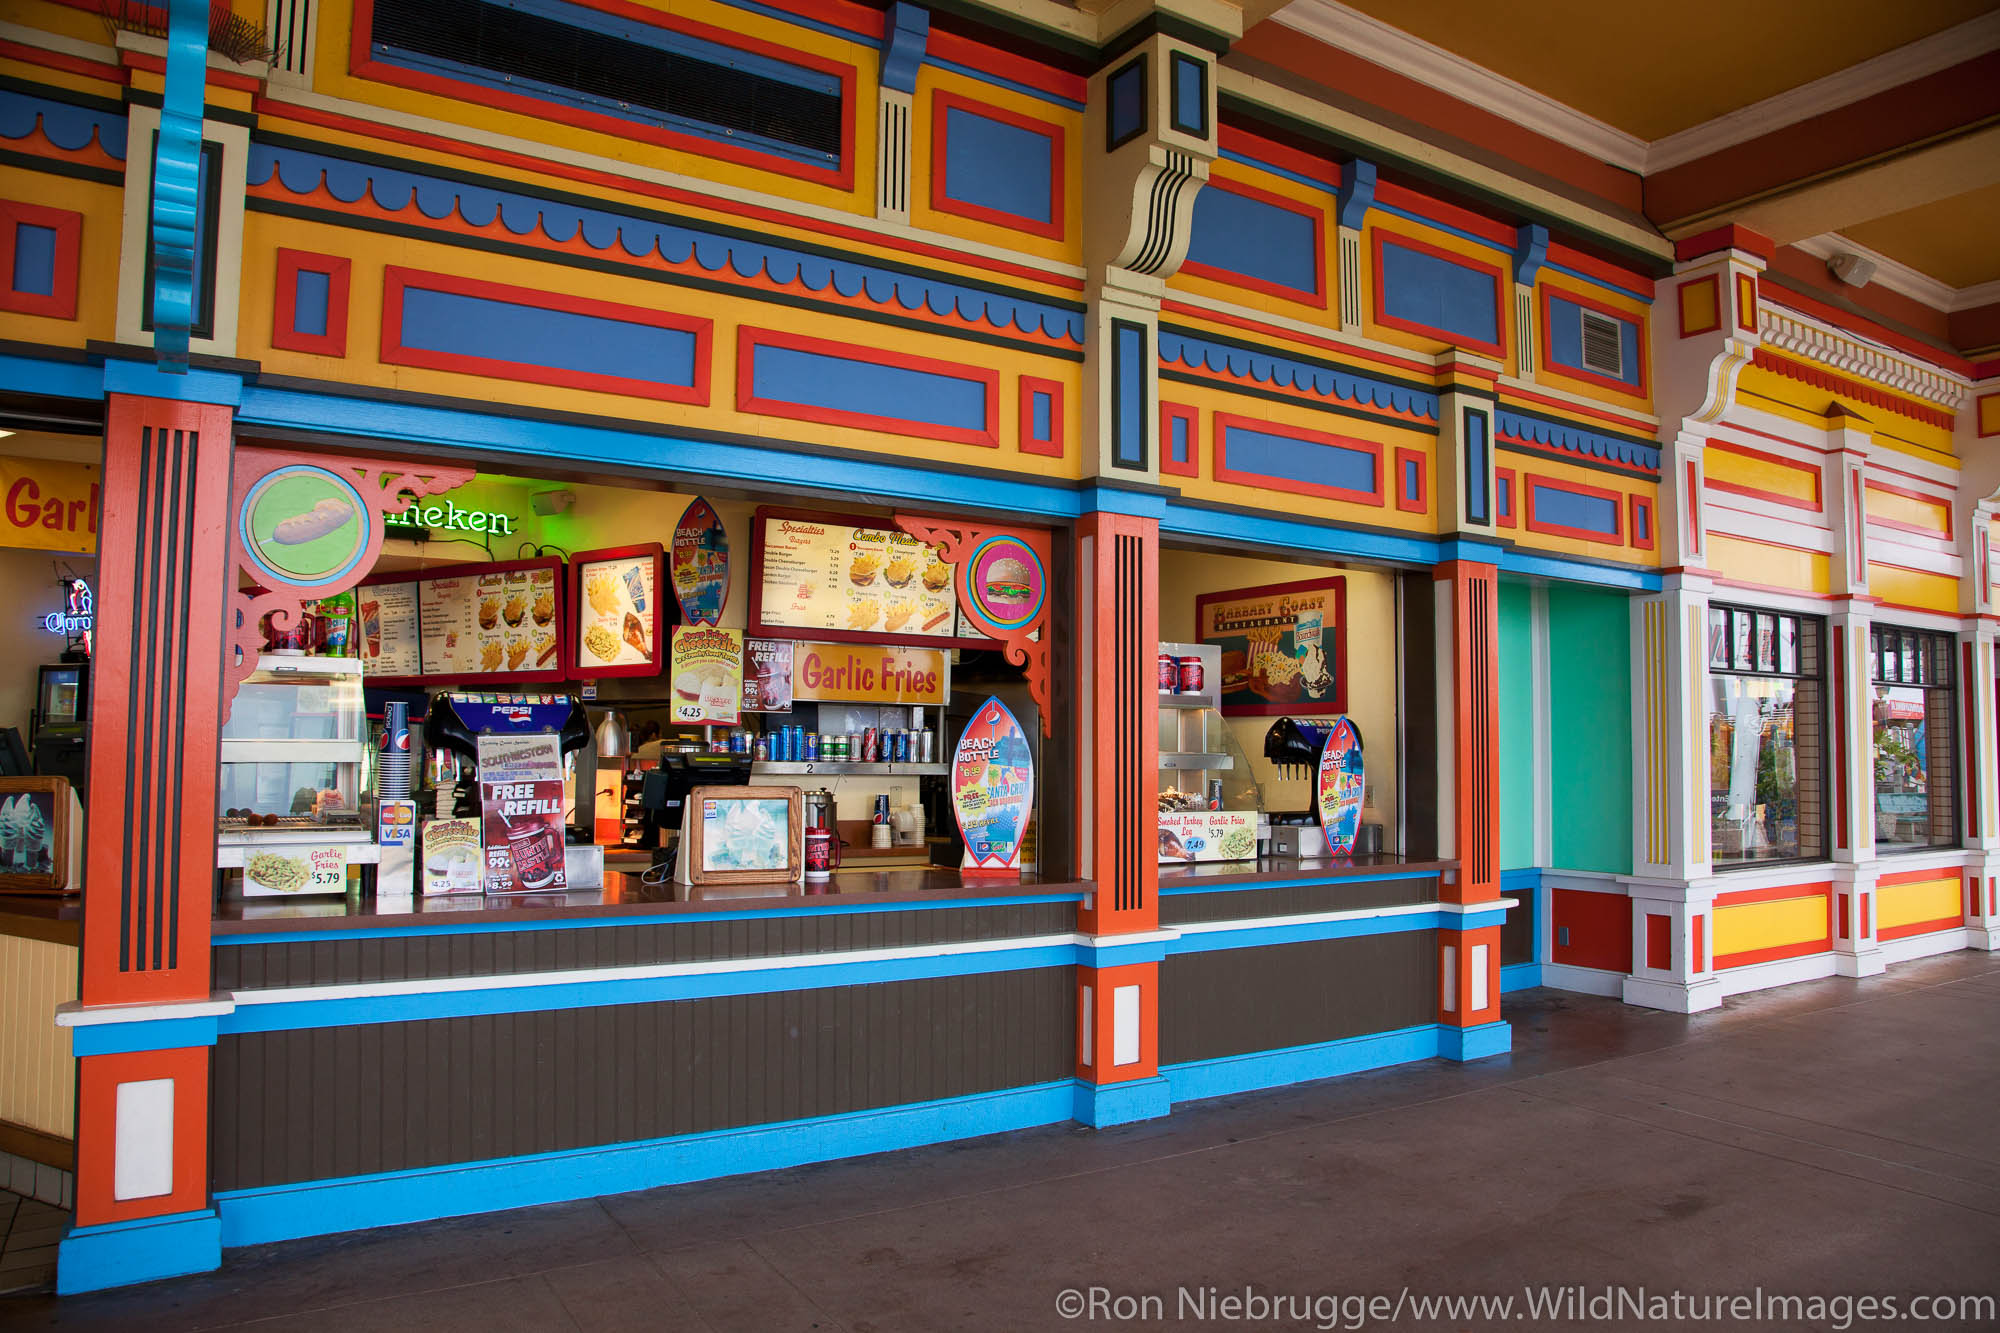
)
(664, 791)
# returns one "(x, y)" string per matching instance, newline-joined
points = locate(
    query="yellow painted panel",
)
(1769, 565)
(1930, 515)
(1769, 925)
(1698, 306)
(1909, 587)
(1808, 404)
(102, 207)
(37, 1071)
(1926, 900)
(1793, 481)
(1989, 414)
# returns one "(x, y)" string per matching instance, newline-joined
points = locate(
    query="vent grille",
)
(1603, 345)
(709, 89)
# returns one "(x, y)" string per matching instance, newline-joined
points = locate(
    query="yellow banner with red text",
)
(47, 504)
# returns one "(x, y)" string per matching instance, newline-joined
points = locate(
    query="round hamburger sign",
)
(1005, 584)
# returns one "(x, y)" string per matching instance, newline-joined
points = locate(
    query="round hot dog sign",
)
(305, 526)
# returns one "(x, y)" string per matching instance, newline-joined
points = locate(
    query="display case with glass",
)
(1209, 801)
(294, 752)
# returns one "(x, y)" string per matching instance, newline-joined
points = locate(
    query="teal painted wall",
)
(1517, 712)
(1590, 728)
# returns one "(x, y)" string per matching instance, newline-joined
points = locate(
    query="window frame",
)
(1819, 715)
(1937, 648)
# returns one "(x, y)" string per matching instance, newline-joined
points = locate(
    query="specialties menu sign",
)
(391, 638)
(1340, 786)
(490, 621)
(767, 675)
(1283, 646)
(830, 578)
(521, 813)
(993, 789)
(701, 564)
(618, 612)
(707, 675)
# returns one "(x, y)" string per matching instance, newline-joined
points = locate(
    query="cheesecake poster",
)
(1284, 646)
(706, 674)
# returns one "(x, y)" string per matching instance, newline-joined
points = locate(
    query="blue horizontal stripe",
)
(118, 1254)
(1167, 891)
(1260, 937)
(1475, 1043)
(1597, 281)
(355, 1203)
(452, 322)
(855, 384)
(476, 925)
(984, 76)
(60, 379)
(160, 1034)
(1504, 248)
(1228, 1074)
(1576, 571)
(1520, 976)
(1277, 171)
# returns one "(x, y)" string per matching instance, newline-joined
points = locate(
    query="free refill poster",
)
(993, 788)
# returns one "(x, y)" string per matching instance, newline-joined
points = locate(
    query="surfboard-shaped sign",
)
(993, 789)
(700, 564)
(1341, 787)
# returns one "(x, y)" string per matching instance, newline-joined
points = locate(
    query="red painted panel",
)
(1169, 466)
(284, 331)
(1699, 950)
(1052, 447)
(942, 103)
(1413, 503)
(1599, 925)
(1531, 484)
(59, 302)
(97, 1080)
(1659, 942)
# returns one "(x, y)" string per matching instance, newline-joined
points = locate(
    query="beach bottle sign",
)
(1340, 786)
(993, 789)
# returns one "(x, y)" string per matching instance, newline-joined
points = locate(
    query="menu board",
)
(465, 622)
(391, 644)
(833, 580)
(1284, 646)
(617, 612)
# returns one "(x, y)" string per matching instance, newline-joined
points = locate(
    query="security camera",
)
(1851, 269)
(550, 503)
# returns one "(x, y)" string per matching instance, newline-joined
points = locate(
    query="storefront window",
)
(1910, 697)
(1767, 767)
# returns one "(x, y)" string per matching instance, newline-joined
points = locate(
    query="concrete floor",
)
(1838, 1137)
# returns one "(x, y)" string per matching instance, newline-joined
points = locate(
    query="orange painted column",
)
(1117, 756)
(143, 1027)
(1469, 734)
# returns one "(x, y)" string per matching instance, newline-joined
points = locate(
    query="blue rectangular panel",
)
(1412, 474)
(1125, 98)
(1566, 340)
(1128, 394)
(309, 298)
(1642, 523)
(1044, 425)
(1180, 439)
(34, 259)
(1190, 81)
(1478, 507)
(1423, 289)
(1238, 234)
(1294, 459)
(1506, 498)
(1569, 509)
(991, 164)
(558, 339)
(844, 384)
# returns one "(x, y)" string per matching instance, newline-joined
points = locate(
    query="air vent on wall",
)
(1603, 345)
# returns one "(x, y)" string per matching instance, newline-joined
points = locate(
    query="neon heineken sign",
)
(448, 517)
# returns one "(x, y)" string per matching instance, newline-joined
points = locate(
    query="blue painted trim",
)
(638, 236)
(1357, 193)
(1519, 977)
(352, 1203)
(1486, 242)
(1261, 937)
(1106, 951)
(1475, 1043)
(1552, 502)
(1296, 177)
(1596, 281)
(1478, 553)
(1578, 440)
(1111, 500)
(190, 386)
(1170, 891)
(905, 33)
(1101, 1105)
(159, 1034)
(797, 20)
(119, 1254)
(1220, 1077)
(1517, 561)
(1457, 921)
(61, 379)
(1025, 89)
(174, 220)
(749, 979)
(487, 925)
(68, 127)
(1531, 250)
(1286, 373)
(1299, 537)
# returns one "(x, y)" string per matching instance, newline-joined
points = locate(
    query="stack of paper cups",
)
(395, 768)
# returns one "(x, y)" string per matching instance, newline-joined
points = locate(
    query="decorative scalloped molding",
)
(1377, 42)
(1793, 332)
(1454, 75)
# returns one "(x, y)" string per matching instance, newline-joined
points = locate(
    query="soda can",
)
(812, 746)
(1170, 673)
(902, 747)
(871, 747)
(1191, 677)
(1215, 793)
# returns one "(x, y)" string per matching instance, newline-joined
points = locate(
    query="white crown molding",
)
(1375, 41)
(1891, 69)
(1971, 298)
(1900, 277)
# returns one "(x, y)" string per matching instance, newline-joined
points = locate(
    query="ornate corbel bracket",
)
(1011, 606)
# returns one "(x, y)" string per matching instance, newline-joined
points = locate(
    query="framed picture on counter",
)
(619, 594)
(742, 835)
(40, 834)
